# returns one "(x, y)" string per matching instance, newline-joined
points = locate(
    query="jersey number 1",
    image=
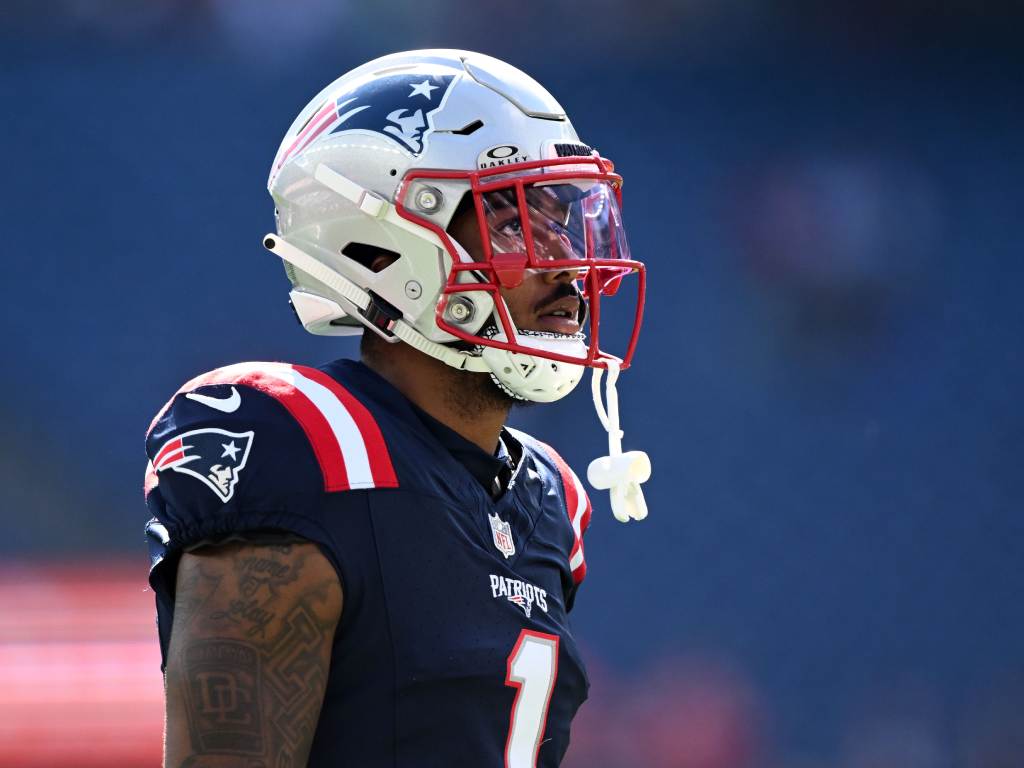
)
(532, 669)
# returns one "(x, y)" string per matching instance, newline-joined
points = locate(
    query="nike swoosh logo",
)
(227, 404)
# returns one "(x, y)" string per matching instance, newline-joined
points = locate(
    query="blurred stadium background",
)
(829, 199)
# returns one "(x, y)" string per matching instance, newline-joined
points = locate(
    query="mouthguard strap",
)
(621, 474)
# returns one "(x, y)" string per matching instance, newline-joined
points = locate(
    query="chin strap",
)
(619, 473)
(360, 299)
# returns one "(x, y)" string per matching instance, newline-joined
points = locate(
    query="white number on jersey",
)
(532, 669)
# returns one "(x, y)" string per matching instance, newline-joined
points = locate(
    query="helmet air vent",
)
(465, 130)
(365, 255)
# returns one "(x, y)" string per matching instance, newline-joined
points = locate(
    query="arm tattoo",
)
(222, 685)
(250, 654)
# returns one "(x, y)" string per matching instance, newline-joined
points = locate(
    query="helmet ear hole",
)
(373, 257)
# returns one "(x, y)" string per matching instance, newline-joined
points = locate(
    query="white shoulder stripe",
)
(350, 440)
(581, 505)
(577, 521)
(576, 560)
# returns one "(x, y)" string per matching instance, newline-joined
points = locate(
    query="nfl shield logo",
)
(502, 532)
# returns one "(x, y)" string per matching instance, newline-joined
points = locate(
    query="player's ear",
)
(370, 256)
(383, 260)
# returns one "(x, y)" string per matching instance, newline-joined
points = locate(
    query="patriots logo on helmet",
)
(399, 107)
(213, 456)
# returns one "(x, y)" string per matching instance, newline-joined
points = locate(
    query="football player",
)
(359, 564)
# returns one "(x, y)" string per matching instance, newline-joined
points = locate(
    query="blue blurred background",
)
(828, 198)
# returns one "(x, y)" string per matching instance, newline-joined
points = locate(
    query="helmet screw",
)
(429, 199)
(460, 309)
(413, 289)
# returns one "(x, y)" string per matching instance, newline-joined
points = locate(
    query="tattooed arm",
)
(249, 654)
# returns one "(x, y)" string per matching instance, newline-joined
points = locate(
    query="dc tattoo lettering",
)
(399, 107)
(224, 709)
(213, 456)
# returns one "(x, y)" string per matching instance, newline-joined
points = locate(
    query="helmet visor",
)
(555, 222)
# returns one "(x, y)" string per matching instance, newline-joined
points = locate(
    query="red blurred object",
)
(685, 712)
(80, 681)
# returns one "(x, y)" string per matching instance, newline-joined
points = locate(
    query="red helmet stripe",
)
(317, 124)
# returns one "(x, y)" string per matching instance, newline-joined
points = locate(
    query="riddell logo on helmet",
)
(503, 154)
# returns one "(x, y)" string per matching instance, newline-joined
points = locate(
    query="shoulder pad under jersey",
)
(262, 436)
(573, 496)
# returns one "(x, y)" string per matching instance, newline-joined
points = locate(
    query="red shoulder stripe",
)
(381, 468)
(344, 436)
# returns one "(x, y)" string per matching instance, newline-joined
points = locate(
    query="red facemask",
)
(561, 214)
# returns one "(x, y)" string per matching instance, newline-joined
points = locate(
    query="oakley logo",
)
(500, 153)
(503, 154)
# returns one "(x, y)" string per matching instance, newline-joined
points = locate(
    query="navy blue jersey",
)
(454, 646)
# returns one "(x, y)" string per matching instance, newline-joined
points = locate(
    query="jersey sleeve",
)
(578, 510)
(255, 447)
(250, 450)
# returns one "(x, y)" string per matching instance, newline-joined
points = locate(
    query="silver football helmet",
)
(381, 161)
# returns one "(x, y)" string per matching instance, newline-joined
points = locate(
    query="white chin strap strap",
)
(619, 473)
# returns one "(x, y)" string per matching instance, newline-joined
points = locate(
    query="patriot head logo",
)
(213, 456)
(399, 107)
(523, 603)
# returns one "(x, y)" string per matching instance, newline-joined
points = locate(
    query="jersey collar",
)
(484, 467)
